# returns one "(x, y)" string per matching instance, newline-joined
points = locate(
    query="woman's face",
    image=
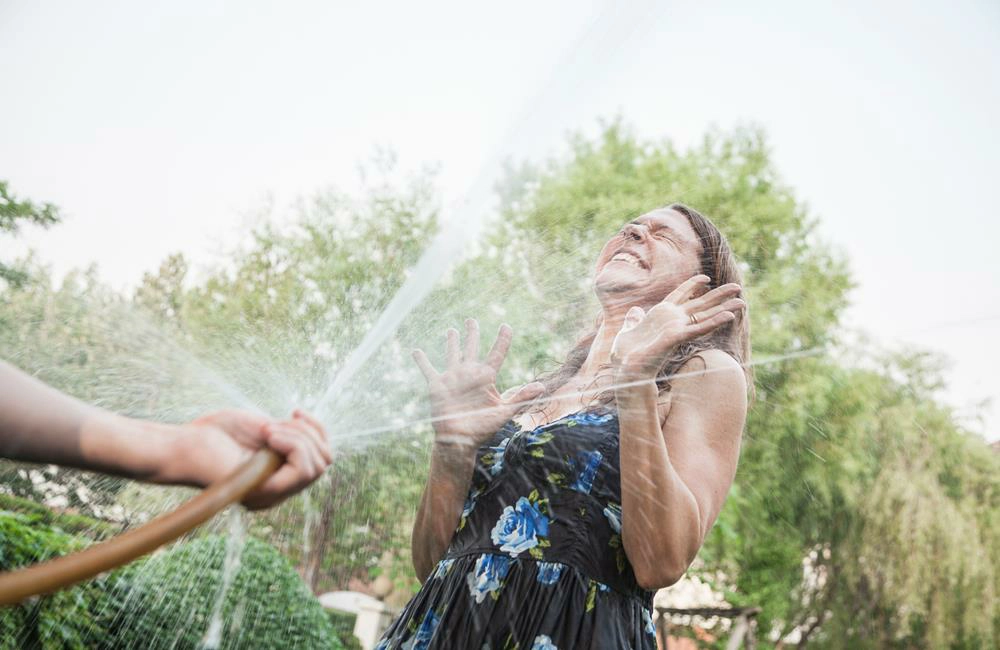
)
(648, 258)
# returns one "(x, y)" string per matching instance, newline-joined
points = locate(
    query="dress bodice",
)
(552, 494)
(537, 561)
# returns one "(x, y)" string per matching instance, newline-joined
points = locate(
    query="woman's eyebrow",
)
(655, 225)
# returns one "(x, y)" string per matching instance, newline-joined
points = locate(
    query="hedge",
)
(164, 601)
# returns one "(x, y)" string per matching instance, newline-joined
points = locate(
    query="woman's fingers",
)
(453, 355)
(714, 297)
(499, 350)
(710, 323)
(523, 396)
(731, 305)
(686, 289)
(425, 365)
(471, 339)
(633, 318)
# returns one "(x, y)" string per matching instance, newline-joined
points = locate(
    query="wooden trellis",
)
(741, 633)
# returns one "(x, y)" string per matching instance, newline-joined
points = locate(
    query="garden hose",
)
(61, 572)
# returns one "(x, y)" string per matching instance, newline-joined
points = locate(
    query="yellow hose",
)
(64, 571)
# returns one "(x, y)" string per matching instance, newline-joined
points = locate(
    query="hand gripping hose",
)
(62, 572)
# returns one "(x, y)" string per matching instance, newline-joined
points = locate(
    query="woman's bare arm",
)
(441, 505)
(675, 475)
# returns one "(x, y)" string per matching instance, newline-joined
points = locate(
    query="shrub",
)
(169, 600)
(66, 619)
(343, 627)
(164, 601)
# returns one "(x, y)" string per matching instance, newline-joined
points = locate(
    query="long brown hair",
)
(717, 262)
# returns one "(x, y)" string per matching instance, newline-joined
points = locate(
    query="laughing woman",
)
(549, 527)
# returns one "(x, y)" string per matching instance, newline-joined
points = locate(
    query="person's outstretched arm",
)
(39, 424)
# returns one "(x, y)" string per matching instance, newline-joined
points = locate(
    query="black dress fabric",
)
(537, 561)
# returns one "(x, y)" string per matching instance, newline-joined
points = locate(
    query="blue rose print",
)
(442, 568)
(537, 437)
(543, 642)
(422, 639)
(589, 417)
(519, 527)
(494, 457)
(470, 503)
(647, 618)
(487, 576)
(548, 572)
(589, 462)
(614, 514)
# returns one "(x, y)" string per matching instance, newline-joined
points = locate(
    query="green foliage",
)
(168, 600)
(294, 302)
(60, 522)
(67, 619)
(13, 214)
(343, 626)
(69, 337)
(165, 601)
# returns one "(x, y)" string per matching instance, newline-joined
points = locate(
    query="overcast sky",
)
(159, 128)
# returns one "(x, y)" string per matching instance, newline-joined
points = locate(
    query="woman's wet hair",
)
(719, 263)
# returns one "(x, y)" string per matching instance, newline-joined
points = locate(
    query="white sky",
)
(158, 128)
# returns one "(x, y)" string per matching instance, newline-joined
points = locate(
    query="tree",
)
(14, 213)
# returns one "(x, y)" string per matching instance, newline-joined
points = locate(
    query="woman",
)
(550, 529)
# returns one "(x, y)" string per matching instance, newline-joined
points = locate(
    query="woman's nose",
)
(634, 231)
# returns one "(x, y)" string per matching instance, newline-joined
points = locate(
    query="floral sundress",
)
(537, 561)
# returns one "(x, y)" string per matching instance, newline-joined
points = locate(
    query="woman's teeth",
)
(627, 258)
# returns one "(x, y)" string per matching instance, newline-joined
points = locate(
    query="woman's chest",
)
(578, 452)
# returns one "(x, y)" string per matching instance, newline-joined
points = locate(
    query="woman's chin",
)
(618, 281)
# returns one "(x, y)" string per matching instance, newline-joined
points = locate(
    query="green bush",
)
(165, 601)
(63, 620)
(168, 601)
(69, 523)
(343, 627)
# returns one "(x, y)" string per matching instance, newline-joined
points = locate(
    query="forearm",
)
(42, 425)
(441, 505)
(661, 522)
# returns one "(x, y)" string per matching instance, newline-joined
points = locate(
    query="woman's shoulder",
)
(711, 362)
(711, 376)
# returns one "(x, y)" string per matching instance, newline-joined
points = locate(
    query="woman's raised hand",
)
(647, 338)
(466, 406)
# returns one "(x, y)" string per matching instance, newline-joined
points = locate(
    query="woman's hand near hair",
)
(467, 411)
(646, 339)
(675, 472)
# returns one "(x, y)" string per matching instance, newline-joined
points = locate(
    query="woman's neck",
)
(599, 356)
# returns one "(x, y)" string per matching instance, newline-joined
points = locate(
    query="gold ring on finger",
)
(693, 318)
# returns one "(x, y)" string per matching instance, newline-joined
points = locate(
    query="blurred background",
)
(211, 204)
